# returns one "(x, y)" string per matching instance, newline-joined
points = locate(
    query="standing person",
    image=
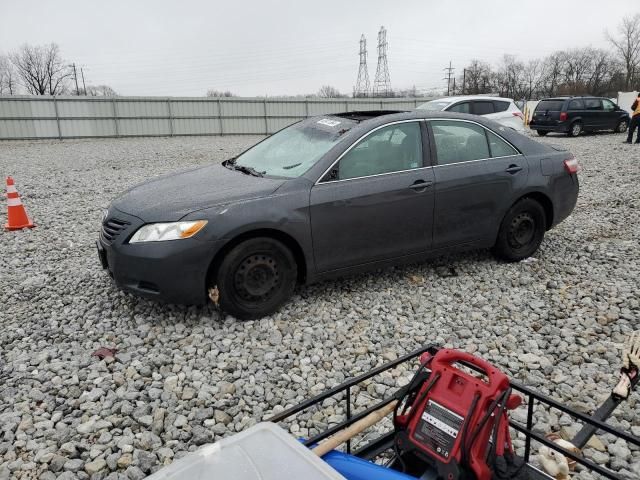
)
(635, 121)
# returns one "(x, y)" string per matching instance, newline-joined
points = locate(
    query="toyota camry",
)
(335, 195)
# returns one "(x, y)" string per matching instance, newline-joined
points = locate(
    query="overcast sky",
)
(278, 47)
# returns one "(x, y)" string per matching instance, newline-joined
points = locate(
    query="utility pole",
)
(84, 86)
(464, 80)
(75, 77)
(449, 73)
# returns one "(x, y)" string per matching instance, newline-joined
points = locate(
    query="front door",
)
(476, 173)
(376, 201)
(594, 115)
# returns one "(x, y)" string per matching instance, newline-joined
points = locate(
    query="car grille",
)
(113, 227)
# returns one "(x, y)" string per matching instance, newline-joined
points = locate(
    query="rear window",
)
(501, 106)
(576, 105)
(550, 105)
(483, 108)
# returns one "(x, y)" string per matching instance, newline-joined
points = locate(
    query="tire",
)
(542, 133)
(622, 126)
(575, 130)
(521, 232)
(255, 278)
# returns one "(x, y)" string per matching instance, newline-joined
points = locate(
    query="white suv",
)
(502, 110)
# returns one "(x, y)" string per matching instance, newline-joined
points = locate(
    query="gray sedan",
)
(331, 196)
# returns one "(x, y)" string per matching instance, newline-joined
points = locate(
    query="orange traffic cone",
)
(17, 218)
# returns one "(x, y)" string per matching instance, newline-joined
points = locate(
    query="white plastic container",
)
(263, 452)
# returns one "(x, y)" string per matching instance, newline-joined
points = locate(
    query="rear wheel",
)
(542, 133)
(256, 277)
(521, 231)
(622, 127)
(576, 129)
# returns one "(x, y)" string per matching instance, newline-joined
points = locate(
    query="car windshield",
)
(434, 105)
(292, 151)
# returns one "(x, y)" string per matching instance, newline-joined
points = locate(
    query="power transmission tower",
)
(362, 85)
(449, 74)
(382, 81)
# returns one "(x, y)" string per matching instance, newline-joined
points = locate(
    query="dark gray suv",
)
(334, 195)
(574, 115)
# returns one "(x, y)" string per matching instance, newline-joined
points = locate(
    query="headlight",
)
(159, 232)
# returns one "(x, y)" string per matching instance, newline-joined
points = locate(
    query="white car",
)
(502, 110)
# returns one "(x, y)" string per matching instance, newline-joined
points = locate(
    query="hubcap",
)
(256, 277)
(576, 129)
(522, 230)
(623, 127)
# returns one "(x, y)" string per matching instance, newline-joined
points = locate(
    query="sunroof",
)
(361, 116)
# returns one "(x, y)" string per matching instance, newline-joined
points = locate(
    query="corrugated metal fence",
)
(39, 117)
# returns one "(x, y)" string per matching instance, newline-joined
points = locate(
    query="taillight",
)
(563, 116)
(518, 114)
(571, 165)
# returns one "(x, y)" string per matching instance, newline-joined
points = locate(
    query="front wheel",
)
(255, 278)
(622, 126)
(521, 231)
(576, 129)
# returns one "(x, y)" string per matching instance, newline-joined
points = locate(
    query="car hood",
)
(170, 197)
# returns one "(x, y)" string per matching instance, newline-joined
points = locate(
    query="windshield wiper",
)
(231, 165)
(247, 170)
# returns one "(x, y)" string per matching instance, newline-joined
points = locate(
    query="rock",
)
(96, 466)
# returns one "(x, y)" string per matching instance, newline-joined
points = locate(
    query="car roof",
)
(458, 98)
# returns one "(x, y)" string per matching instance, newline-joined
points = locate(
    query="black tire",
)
(542, 133)
(575, 130)
(255, 278)
(622, 126)
(521, 231)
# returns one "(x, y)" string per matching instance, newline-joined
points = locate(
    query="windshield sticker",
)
(328, 123)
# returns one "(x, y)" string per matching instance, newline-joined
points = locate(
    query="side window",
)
(608, 105)
(593, 104)
(463, 107)
(459, 141)
(498, 147)
(483, 108)
(576, 105)
(500, 106)
(391, 149)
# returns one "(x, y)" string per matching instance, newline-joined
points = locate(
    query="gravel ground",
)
(184, 376)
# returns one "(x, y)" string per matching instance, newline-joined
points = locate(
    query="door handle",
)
(420, 185)
(513, 168)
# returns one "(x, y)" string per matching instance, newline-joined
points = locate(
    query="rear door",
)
(547, 112)
(477, 174)
(376, 201)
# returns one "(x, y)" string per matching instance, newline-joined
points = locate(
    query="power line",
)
(382, 81)
(362, 84)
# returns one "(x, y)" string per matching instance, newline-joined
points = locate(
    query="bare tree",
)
(218, 93)
(627, 45)
(477, 78)
(8, 83)
(327, 91)
(533, 74)
(41, 69)
(100, 91)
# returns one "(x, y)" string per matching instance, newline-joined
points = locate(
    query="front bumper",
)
(173, 271)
